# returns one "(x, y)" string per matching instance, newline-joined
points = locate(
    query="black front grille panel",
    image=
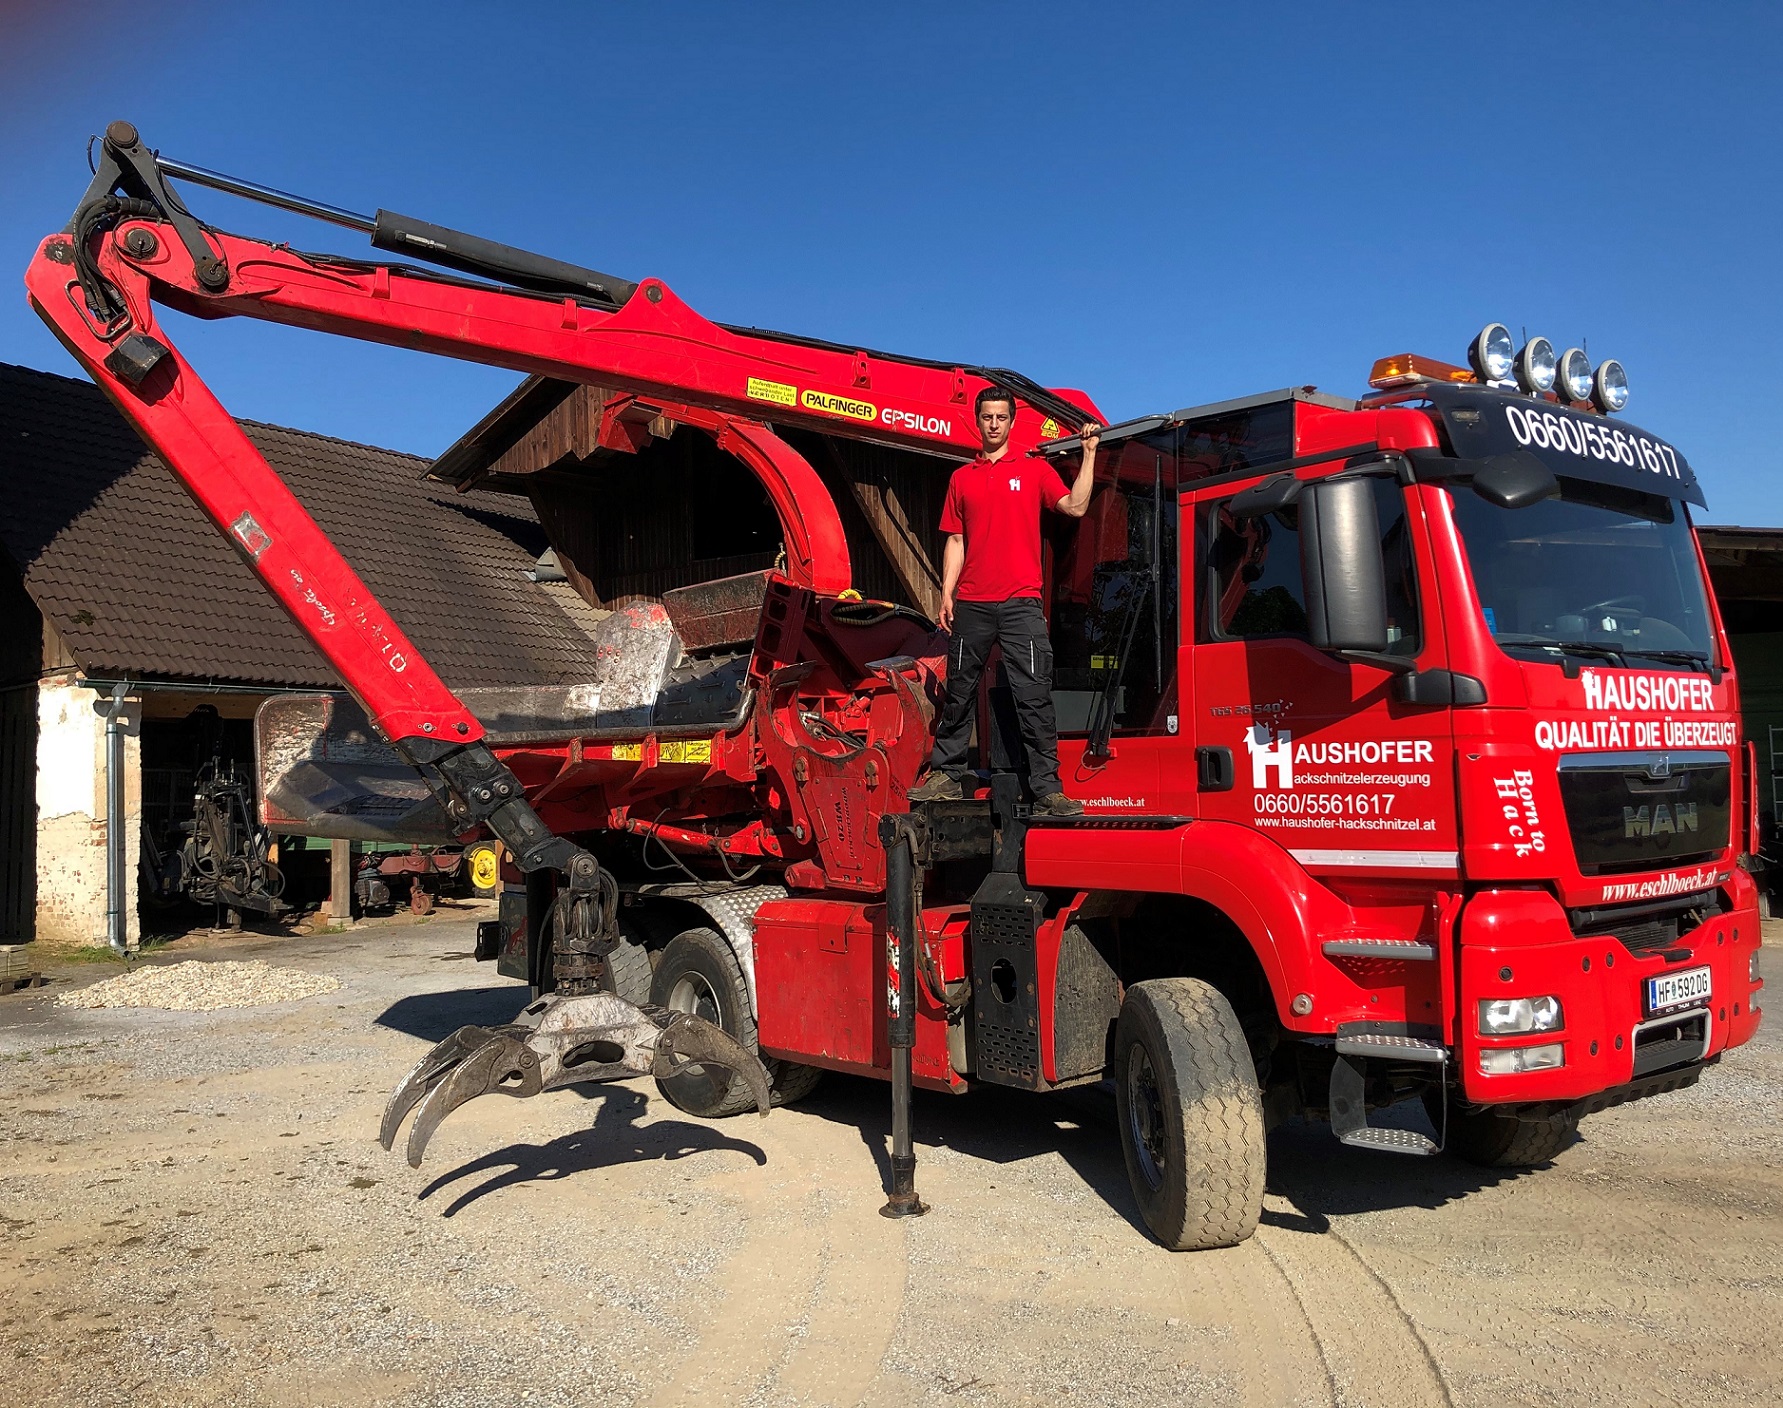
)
(1652, 927)
(1630, 812)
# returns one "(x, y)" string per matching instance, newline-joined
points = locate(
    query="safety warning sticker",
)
(776, 391)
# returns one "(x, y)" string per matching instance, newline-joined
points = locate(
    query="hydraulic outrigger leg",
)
(577, 1034)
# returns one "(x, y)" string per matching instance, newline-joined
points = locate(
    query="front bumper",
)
(1516, 943)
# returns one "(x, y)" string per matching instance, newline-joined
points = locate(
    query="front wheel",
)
(1191, 1115)
(1495, 1137)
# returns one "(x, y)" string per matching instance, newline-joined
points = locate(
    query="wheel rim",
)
(1145, 1117)
(693, 994)
(485, 869)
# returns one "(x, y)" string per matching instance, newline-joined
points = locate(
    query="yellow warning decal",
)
(1049, 429)
(628, 752)
(776, 391)
(838, 405)
(692, 750)
(1105, 662)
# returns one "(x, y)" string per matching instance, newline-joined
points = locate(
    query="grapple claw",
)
(427, 1072)
(688, 1040)
(501, 1064)
(560, 1041)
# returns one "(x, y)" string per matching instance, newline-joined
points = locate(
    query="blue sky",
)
(1164, 205)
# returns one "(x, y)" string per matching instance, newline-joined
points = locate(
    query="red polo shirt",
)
(996, 506)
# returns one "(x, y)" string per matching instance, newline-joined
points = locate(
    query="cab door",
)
(1325, 759)
(1114, 609)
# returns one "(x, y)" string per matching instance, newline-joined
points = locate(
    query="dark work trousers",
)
(1019, 626)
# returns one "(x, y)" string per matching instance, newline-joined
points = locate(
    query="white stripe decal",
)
(1394, 860)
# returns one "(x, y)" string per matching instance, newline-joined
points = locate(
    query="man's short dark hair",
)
(994, 393)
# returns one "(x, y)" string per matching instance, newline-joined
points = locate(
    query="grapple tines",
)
(560, 1041)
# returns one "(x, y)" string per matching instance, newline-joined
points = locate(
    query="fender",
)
(1250, 879)
(732, 913)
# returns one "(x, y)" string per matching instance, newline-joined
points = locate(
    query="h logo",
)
(1015, 486)
(1265, 755)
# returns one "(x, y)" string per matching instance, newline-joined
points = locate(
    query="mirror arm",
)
(1398, 664)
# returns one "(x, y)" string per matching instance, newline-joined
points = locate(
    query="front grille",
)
(1651, 927)
(1645, 811)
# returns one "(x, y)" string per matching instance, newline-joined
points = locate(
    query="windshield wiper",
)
(1573, 647)
(1680, 657)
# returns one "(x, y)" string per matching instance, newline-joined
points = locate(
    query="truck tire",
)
(793, 1082)
(1190, 1113)
(628, 968)
(697, 972)
(1499, 1138)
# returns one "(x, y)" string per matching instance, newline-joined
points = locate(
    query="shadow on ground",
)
(433, 1016)
(614, 1138)
(1307, 1166)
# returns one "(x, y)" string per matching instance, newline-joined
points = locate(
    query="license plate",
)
(1668, 991)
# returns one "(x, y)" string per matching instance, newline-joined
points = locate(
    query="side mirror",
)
(1341, 566)
(1266, 496)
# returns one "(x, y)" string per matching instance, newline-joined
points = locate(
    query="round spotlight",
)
(1575, 374)
(1609, 388)
(1492, 353)
(1536, 365)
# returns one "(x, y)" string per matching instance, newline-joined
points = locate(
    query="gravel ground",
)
(194, 1211)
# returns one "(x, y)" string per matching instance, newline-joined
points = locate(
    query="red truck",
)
(1406, 726)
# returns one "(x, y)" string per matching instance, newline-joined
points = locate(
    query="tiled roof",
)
(137, 582)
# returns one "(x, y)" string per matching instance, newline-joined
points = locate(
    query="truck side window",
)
(1114, 608)
(1253, 585)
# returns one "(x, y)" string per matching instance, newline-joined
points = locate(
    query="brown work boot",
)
(1058, 804)
(937, 787)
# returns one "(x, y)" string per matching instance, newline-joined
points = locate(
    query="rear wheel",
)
(1191, 1116)
(628, 967)
(697, 972)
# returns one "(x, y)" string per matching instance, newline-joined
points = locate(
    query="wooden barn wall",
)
(681, 511)
(629, 526)
(890, 505)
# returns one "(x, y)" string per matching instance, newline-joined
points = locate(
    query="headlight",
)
(1516, 1016)
(1522, 1058)
(1492, 353)
(1575, 374)
(1535, 365)
(1610, 386)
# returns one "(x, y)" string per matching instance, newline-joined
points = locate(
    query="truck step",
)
(1392, 1141)
(1407, 950)
(1388, 1047)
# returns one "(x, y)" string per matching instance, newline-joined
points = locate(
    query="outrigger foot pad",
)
(558, 1041)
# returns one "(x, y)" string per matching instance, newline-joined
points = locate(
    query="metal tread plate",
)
(1397, 1141)
(1388, 1046)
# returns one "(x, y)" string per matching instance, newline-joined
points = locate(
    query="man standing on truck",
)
(991, 592)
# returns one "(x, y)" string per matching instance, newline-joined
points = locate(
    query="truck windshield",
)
(1599, 573)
